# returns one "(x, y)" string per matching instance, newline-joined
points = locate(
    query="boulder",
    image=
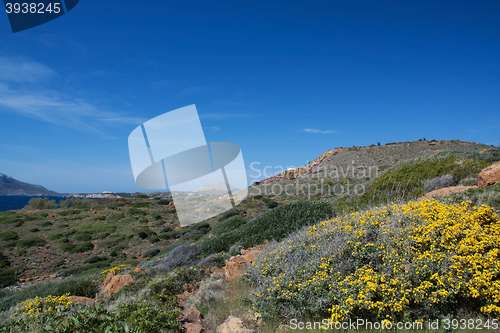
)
(116, 283)
(139, 270)
(489, 175)
(445, 191)
(190, 315)
(82, 300)
(233, 325)
(193, 328)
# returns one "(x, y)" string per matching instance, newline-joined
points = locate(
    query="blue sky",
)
(285, 80)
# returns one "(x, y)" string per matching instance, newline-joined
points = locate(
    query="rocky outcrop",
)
(114, 283)
(233, 325)
(445, 191)
(235, 264)
(489, 175)
(294, 173)
(83, 300)
(191, 320)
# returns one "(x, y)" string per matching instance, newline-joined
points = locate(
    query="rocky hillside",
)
(355, 165)
(11, 186)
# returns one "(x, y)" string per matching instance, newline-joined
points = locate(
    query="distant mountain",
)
(11, 186)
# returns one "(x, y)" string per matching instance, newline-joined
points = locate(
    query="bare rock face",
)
(489, 175)
(193, 328)
(233, 325)
(115, 283)
(445, 191)
(191, 320)
(82, 300)
(235, 265)
(190, 315)
(139, 270)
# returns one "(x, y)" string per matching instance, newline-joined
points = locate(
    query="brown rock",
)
(251, 256)
(283, 329)
(190, 315)
(489, 175)
(116, 283)
(233, 325)
(445, 191)
(82, 300)
(108, 278)
(193, 328)
(139, 270)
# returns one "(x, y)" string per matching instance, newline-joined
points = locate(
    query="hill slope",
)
(11, 186)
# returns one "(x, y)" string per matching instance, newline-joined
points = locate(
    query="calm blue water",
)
(8, 202)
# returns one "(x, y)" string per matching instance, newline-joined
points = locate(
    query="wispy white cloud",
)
(314, 130)
(50, 105)
(213, 128)
(23, 70)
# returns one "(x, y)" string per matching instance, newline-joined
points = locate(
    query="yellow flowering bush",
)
(37, 305)
(117, 269)
(401, 262)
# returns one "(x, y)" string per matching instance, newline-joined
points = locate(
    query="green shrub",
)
(83, 247)
(135, 211)
(9, 235)
(166, 229)
(200, 228)
(149, 317)
(7, 278)
(39, 203)
(142, 196)
(11, 218)
(83, 287)
(139, 204)
(93, 259)
(177, 280)
(274, 224)
(150, 253)
(227, 214)
(4, 262)
(114, 240)
(228, 225)
(167, 235)
(93, 229)
(142, 235)
(21, 252)
(69, 212)
(143, 220)
(468, 168)
(34, 230)
(45, 224)
(56, 236)
(9, 244)
(116, 217)
(164, 202)
(271, 204)
(154, 239)
(66, 247)
(82, 236)
(73, 202)
(31, 241)
(34, 217)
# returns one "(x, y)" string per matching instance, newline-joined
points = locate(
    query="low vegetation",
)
(376, 256)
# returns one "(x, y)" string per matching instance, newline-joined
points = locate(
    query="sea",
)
(11, 202)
